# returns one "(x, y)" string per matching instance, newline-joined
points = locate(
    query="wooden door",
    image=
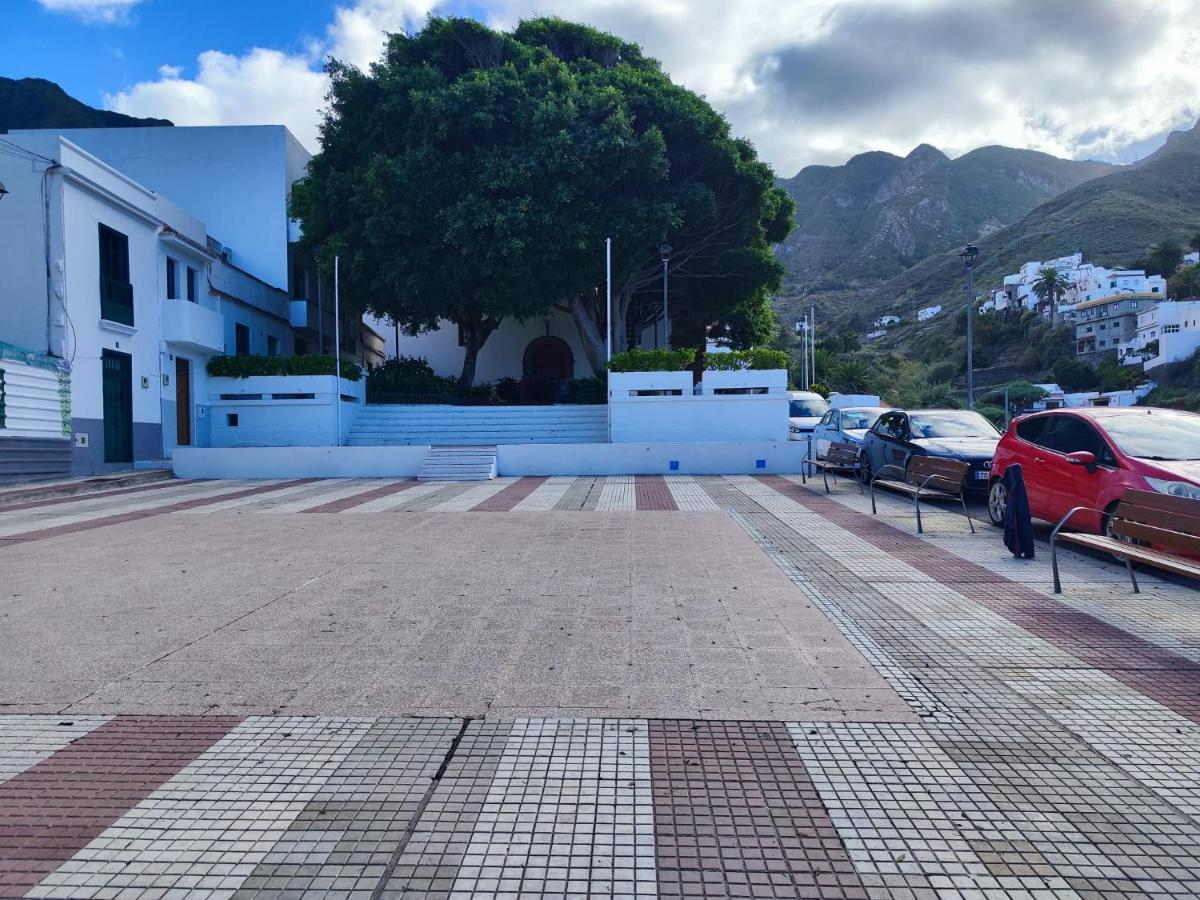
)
(118, 406)
(183, 402)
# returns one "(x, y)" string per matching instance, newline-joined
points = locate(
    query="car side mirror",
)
(1085, 458)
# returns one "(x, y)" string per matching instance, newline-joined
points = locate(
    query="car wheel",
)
(864, 468)
(997, 503)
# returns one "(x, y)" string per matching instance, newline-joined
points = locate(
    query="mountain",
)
(1113, 220)
(37, 103)
(879, 213)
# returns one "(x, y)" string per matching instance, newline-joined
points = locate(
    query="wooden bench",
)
(1146, 527)
(926, 478)
(840, 458)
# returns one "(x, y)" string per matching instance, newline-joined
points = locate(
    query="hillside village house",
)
(139, 294)
(1088, 283)
(1103, 326)
(1166, 333)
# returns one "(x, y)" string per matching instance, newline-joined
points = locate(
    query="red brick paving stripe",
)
(651, 492)
(1156, 672)
(386, 490)
(52, 810)
(504, 500)
(98, 495)
(119, 518)
(736, 815)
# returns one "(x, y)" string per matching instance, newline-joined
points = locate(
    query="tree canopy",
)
(473, 175)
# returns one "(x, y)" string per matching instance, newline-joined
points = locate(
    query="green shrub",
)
(943, 372)
(247, 366)
(588, 390)
(820, 387)
(508, 391)
(756, 358)
(638, 360)
(994, 414)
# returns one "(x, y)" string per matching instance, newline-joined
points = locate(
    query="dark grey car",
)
(947, 433)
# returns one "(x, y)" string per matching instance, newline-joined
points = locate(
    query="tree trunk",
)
(1053, 311)
(594, 346)
(475, 335)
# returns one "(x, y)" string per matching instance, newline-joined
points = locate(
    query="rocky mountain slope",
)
(37, 103)
(879, 214)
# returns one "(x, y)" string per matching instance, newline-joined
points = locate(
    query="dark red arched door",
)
(548, 358)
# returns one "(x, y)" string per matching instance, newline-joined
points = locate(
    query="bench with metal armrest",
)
(926, 478)
(840, 459)
(1150, 519)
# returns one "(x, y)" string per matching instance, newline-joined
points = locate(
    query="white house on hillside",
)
(1167, 333)
(924, 315)
(1088, 283)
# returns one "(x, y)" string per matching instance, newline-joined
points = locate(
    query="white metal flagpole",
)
(608, 296)
(337, 352)
(608, 317)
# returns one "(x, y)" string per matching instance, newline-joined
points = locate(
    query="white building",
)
(886, 321)
(139, 297)
(1088, 282)
(1167, 333)
(924, 315)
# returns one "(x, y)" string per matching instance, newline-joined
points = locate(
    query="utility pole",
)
(337, 354)
(969, 255)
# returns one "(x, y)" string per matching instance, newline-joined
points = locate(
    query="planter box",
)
(628, 385)
(769, 380)
(281, 410)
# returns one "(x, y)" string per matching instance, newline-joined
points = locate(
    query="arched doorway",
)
(547, 365)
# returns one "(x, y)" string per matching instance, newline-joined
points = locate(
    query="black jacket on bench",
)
(1018, 523)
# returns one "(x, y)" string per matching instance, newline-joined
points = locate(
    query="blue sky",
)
(91, 60)
(809, 81)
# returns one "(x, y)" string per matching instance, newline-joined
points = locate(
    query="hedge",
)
(757, 358)
(247, 366)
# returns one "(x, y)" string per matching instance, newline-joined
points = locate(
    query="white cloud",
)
(106, 12)
(264, 87)
(811, 81)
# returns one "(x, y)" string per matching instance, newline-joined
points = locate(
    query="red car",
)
(1090, 457)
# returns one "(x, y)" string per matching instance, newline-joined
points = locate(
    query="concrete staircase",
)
(459, 464)
(485, 426)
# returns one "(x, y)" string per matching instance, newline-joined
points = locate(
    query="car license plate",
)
(981, 474)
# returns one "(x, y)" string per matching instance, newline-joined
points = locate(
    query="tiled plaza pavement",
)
(756, 689)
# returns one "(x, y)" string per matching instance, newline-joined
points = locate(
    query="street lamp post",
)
(664, 252)
(969, 255)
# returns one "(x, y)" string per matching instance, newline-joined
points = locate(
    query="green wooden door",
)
(118, 407)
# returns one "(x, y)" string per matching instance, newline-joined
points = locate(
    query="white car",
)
(844, 426)
(805, 410)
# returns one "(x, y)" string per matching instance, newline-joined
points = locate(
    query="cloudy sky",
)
(809, 81)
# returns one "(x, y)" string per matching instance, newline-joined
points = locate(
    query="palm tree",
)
(1185, 283)
(1049, 287)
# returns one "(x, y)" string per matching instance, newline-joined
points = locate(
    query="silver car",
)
(844, 426)
(805, 410)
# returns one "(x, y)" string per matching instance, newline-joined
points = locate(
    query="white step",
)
(459, 464)
(383, 425)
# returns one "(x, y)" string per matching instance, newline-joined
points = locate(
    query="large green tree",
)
(473, 175)
(1050, 287)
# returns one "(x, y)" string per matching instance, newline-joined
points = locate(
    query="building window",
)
(116, 293)
(301, 347)
(191, 284)
(272, 345)
(241, 340)
(299, 283)
(1170, 329)
(172, 279)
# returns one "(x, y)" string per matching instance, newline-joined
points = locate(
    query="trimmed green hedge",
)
(638, 360)
(757, 358)
(247, 366)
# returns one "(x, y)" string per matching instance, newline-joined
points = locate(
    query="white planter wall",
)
(264, 411)
(706, 417)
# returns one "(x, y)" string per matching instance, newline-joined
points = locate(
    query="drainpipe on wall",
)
(56, 293)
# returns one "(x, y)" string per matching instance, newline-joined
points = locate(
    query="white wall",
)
(299, 462)
(235, 178)
(693, 458)
(23, 297)
(501, 356)
(264, 421)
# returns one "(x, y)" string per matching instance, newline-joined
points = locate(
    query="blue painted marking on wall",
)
(760, 464)
(674, 465)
